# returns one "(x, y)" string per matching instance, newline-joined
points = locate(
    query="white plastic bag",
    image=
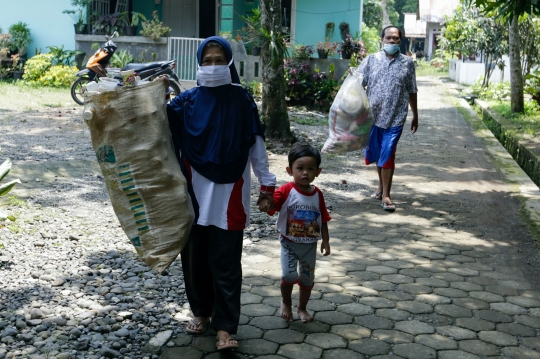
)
(350, 118)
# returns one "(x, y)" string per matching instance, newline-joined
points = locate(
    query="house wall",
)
(432, 28)
(312, 15)
(48, 26)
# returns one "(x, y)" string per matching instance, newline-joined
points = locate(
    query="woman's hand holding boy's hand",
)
(265, 202)
(325, 247)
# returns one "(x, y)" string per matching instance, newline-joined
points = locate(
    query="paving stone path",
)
(444, 277)
(452, 274)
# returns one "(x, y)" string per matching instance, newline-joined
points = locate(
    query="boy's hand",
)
(265, 202)
(325, 247)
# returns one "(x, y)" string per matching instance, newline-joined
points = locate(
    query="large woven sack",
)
(350, 118)
(131, 138)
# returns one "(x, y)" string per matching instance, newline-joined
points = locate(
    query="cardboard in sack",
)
(350, 118)
(131, 138)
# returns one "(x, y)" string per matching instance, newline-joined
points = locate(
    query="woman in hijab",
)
(218, 138)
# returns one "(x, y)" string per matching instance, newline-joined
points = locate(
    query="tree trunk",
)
(516, 77)
(274, 106)
(385, 17)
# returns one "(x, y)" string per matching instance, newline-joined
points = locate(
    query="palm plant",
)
(4, 170)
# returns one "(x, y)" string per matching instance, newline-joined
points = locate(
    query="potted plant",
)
(20, 38)
(79, 15)
(326, 49)
(154, 28)
(17, 66)
(351, 46)
(251, 33)
(5, 45)
(344, 29)
(131, 26)
(329, 30)
(107, 24)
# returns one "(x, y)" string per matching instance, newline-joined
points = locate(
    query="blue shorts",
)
(382, 146)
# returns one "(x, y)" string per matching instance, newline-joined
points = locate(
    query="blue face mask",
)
(391, 49)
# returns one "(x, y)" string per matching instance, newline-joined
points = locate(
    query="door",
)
(181, 16)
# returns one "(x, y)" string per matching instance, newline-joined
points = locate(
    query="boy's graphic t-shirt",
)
(301, 214)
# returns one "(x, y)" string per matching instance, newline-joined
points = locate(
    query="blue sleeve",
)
(175, 113)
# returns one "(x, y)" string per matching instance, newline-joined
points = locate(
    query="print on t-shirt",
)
(302, 223)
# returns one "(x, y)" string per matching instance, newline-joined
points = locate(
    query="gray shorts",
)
(298, 263)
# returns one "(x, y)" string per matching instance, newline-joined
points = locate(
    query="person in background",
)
(218, 139)
(390, 79)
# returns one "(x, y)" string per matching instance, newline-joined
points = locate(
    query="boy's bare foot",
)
(304, 316)
(286, 311)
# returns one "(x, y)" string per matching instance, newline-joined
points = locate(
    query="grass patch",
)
(528, 122)
(424, 68)
(19, 96)
(14, 201)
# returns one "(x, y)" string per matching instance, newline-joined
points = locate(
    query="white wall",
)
(48, 26)
(468, 72)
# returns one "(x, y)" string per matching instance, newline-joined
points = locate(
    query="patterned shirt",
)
(389, 83)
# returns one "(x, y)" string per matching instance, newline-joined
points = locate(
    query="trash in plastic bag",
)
(350, 118)
(131, 137)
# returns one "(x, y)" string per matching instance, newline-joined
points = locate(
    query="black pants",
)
(211, 261)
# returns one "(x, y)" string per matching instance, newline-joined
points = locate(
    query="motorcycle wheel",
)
(78, 88)
(176, 89)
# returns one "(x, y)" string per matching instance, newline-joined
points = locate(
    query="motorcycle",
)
(96, 67)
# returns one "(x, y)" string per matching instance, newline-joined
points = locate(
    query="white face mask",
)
(213, 76)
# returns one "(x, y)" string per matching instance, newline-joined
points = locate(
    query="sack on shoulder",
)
(131, 138)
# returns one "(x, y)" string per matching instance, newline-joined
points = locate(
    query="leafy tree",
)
(459, 34)
(403, 6)
(510, 11)
(373, 13)
(467, 31)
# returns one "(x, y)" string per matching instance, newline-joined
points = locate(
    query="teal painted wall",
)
(312, 16)
(243, 8)
(146, 8)
(48, 26)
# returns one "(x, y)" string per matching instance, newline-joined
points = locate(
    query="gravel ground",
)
(72, 285)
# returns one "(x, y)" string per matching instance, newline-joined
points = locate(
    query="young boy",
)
(302, 221)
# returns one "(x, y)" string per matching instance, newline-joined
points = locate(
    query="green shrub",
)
(58, 76)
(253, 87)
(532, 85)
(39, 71)
(37, 66)
(494, 91)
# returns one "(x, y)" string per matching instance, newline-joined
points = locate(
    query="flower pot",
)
(255, 50)
(346, 55)
(17, 75)
(80, 29)
(131, 30)
(322, 54)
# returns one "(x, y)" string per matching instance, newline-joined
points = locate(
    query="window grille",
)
(100, 6)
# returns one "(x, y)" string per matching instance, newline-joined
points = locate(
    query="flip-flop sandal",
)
(377, 195)
(388, 207)
(227, 345)
(201, 326)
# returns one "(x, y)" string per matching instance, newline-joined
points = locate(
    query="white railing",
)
(184, 50)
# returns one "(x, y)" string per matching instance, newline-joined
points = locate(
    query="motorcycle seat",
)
(144, 66)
